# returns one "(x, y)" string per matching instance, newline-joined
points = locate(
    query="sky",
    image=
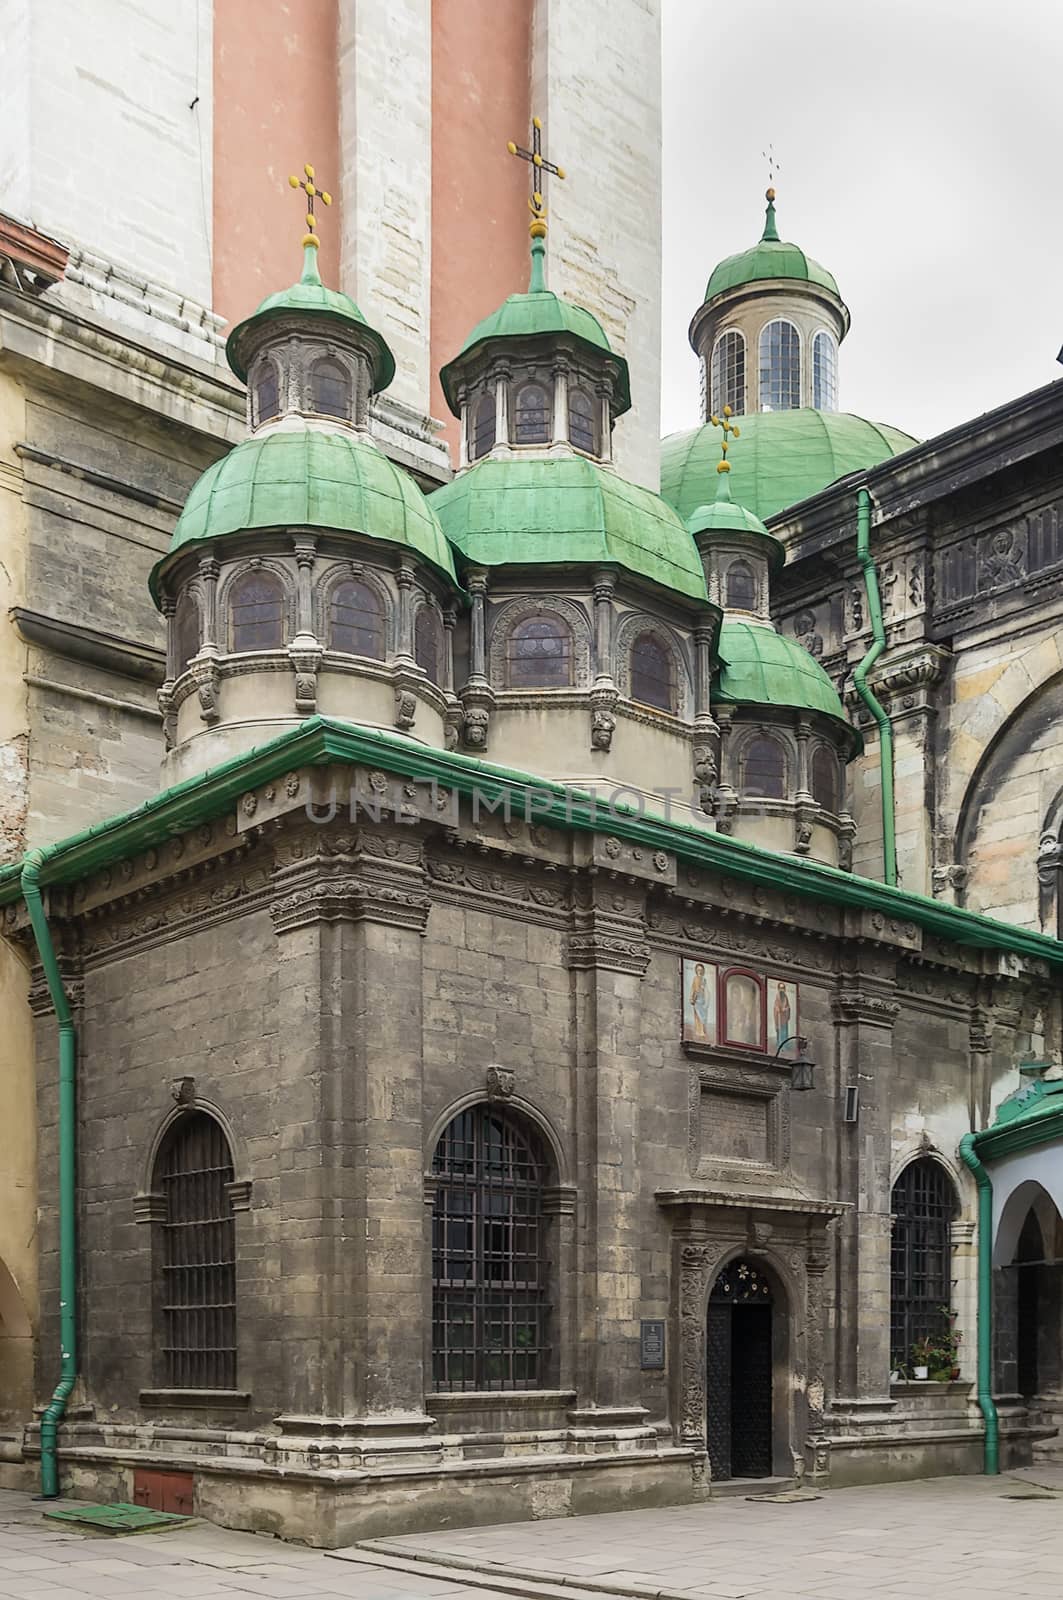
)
(920, 159)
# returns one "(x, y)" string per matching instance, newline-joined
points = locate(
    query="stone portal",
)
(739, 1375)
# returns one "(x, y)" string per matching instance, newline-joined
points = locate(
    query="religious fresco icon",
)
(699, 1002)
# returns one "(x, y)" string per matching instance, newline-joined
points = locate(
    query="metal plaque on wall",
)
(651, 1344)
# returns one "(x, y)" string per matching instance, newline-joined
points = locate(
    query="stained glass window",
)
(532, 419)
(428, 642)
(256, 604)
(483, 427)
(583, 421)
(356, 620)
(741, 587)
(824, 778)
(186, 630)
(267, 392)
(539, 654)
(330, 389)
(651, 673)
(764, 768)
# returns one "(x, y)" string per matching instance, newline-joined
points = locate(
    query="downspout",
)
(866, 693)
(31, 893)
(969, 1155)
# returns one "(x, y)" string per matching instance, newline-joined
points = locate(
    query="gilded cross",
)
(539, 166)
(773, 165)
(728, 427)
(312, 193)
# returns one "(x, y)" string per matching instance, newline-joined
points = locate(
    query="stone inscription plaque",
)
(651, 1344)
(734, 1127)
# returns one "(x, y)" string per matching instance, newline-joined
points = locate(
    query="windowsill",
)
(180, 1399)
(494, 1399)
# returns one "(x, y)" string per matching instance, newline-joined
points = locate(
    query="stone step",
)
(534, 1584)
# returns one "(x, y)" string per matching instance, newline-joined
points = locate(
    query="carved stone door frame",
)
(788, 1236)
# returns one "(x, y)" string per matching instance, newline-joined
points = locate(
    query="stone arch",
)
(516, 611)
(922, 1148)
(174, 1115)
(628, 630)
(343, 572)
(525, 1108)
(746, 734)
(1029, 1194)
(231, 576)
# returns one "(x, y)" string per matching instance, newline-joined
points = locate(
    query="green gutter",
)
(969, 1155)
(321, 741)
(68, 1370)
(864, 690)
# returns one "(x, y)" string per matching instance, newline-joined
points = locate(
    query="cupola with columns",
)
(307, 572)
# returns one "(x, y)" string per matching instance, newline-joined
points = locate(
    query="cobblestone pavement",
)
(939, 1540)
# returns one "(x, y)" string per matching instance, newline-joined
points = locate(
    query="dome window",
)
(356, 620)
(428, 643)
(780, 366)
(651, 673)
(267, 392)
(539, 654)
(824, 372)
(532, 418)
(741, 587)
(256, 606)
(186, 631)
(483, 426)
(824, 779)
(330, 389)
(582, 421)
(729, 373)
(764, 769)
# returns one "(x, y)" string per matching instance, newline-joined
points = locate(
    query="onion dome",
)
(770, 257)
(566, 511)
(786, 457)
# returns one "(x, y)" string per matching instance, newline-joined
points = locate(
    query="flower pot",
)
(920, 1374)
(895, 1377)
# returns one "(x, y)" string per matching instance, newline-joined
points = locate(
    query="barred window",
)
(197, 1336)
(824, 372)
(651, 673)
(483, 426)
(780, 366)
(330, 388)
(729, 373)
(741, 587)
(583, 421)
(428, 642)
(764, 769)
(532, 419)
(539, 654)
(186, 630)
(256, 605)
(824, 779)
(267, 391)
(356, 620)
(923, 1204)
(489, 1299)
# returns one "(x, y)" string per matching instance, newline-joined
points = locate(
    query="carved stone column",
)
(477, 696)
(305, 552)
(208, 572)
(501, 376)
(561, 373)
(463, 442)
(906, 682)
(605, 426)
(726, 793)
(404, 642)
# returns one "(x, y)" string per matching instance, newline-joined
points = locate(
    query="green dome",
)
(724, 515)
(310, 297)
(759, 667)
(566, 511)
(781, 457)
(770, 257)
(309, 478)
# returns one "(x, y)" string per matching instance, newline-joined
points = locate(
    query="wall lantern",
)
(802, 1070)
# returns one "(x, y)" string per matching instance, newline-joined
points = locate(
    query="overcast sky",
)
(921, 160)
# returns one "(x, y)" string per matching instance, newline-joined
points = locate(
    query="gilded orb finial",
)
(312, 193)
(730, 430)
(539, 165)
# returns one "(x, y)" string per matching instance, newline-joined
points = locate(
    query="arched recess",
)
(520, 610)
(1015, 773)
(1029, 1193)
(1027, 1302)
(741, 1357)
(628, 630)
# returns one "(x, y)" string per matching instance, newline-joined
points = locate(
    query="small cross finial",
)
(773, 166)
(539, 166)
(729, 428)
(312, 193)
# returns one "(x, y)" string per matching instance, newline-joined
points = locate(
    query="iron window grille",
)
(198, 1257)
(923, 1205)
(489, 1301)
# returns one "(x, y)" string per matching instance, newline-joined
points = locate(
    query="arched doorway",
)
(1029, 1259)
(740, 1360)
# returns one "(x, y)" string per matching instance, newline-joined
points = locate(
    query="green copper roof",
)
(309, 478)
(563, 511)
(724, 515)
(770, 257)
(309, 297)
(760, 667)
(540, 311)
(782, 457)
(1032, 1115)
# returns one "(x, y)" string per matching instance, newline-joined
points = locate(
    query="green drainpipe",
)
(31, 872)
(866, 693)
(969, 1155)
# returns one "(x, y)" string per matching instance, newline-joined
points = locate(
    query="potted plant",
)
(921, 1360)
(944, 1349)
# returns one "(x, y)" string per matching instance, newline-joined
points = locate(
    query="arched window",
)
(729, 372)
(532, 415)
(923, 1204)
(539, 653)
(256, 604)
(489, 1300)
(824, 372)
(764, 768)
(780, 366)
(824, 778)
(330, 388)
(428, 642)
(267, 391)
(651, 673)
(483, 426)
(583, 421)
(356, 620)
(196, 1325)
(740, 592)
(185, 630)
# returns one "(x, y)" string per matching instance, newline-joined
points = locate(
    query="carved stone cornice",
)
(904, 682)
(499, 887)
(371, 875)
(855, 1004)
(610, 940)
